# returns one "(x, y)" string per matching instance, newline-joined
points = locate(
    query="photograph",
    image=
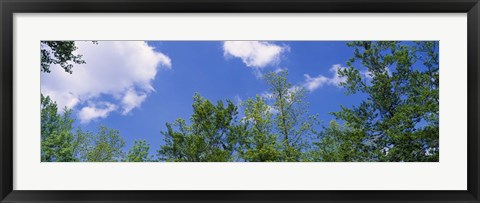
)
(239, 101)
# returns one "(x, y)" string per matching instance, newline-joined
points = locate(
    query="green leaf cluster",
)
(210, 137)
(398, 120)
(60, 143)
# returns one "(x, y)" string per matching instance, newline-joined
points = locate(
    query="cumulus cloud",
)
(131, 100)
(122, 71)
(313, 83)
(92, 112)
(254, 54)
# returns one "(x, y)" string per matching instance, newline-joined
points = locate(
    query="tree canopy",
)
(396, 121)
(399, 119)
(61, 53)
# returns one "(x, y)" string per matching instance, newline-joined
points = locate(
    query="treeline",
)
(397, 121)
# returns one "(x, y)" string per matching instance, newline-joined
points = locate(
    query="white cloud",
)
(120, 70)
(313, 83)
(132, 100)
(65, 99)
(336, 79)
(254, 54)
(266, 95)
(92, 112)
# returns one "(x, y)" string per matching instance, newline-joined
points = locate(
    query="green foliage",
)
(258, 143)
(139, 152)
(59, 52)
(216, 135)
(105, 146)
(209, 138)
(399, 119)
(292, 121)
(58, 142)
(338, 143)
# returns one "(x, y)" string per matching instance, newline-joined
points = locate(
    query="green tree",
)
(258, 143)
(104, 146)
(180, 145)
(211, 136)
(61, 53)
(139, 152)
(398, 120)
(338, 143)
(58, 143)
(292, 121)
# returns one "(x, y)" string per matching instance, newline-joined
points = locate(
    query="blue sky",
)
(136, 87)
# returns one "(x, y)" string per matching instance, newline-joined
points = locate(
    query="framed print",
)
(255, 101)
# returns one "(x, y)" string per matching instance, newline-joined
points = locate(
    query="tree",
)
(258, 143)
(139, 152)
(398, 120)
(210, 137)
(104, 146)
(292, 121)
(337, 143)
(59, 52)
(58, 142)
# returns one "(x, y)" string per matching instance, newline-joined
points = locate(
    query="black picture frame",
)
(10, 7)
